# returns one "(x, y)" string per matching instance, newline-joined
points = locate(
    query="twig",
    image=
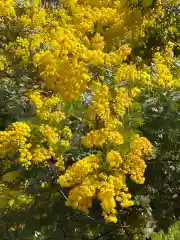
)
(63, 194)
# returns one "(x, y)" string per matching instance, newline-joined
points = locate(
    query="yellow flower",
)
(60, 163)
(50, 134)
(135, 91)
(97, 42)
(3, 62)
(79, 170)
(7, 8)
(114, 159)
(47, 108)
(100, 137)
(121, 101)
(44, 184)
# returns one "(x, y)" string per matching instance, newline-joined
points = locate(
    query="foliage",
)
(173, 233)
(163, 173)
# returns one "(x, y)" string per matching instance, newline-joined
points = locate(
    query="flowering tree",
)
(76, 67)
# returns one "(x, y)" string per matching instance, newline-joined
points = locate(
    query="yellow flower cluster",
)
(159, 75)
(47, 108)
(64, 64)
(97, 138)
(112, 190)
(14, 138)
(79, 170)
(49, 134)
(81, 196)
(23, 139)
(102, 100)
(163, 76)
(134, 163)
(98, 3)
(97, 42)
(33, 16)
(131, 76)
(114, 159)
(40, 155)
(35, 143)
(107, 184)
(38, 18)
(90, 182)
(68, 63)
(84, 17)
(60, 163)
(122, 101)
(3, 62)
(22, 49)
(58, 72)
(127, 73)
(99, 106)
(7, 8)
(135, 91)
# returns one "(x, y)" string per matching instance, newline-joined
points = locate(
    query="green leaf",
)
(3, 202)
(147, 3)
(173, 233)
(159, 236)
(13, 176)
